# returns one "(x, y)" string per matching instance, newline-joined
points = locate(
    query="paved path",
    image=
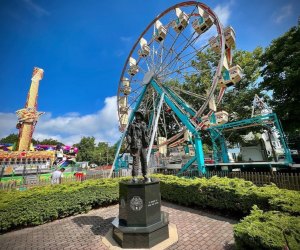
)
(196, 230)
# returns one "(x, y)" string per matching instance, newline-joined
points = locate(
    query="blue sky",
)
(82, 47)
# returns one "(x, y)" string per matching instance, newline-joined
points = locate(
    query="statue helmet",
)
(140, 112)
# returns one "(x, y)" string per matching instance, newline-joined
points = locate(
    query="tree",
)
(281, 75)
(239, 100)
(50, 142)
(12, 138)
(86, 148)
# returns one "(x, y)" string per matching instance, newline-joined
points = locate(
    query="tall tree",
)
(12, 138)
(281, 75)
(50, 142)
(86, 148)
(239, 99)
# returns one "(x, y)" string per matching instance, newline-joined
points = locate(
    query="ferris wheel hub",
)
(148, 76)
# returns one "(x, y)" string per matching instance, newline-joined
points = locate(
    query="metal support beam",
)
(186, 107)
(287, 152)
(185, 120)
(224, 150)
(155, 126)
(124, 134)
(187, 165)
(267, 119)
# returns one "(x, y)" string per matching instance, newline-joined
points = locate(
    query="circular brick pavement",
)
(196, 230)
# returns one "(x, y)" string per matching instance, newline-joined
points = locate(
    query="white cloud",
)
(8, 123)
(119, 53)
(223, 12)
(283, 13)
(126, 39)
(35, 8)
(69, 128)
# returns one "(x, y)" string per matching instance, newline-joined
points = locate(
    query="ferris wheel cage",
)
(220, 32)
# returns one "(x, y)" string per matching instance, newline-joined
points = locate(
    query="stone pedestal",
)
(141, 224)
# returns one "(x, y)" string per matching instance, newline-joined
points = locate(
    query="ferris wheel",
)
(177, 72)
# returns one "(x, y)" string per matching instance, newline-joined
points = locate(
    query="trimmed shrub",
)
(42, 204)
(258, 230)
(267, 230)
(228, 195)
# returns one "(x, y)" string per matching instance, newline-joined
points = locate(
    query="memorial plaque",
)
(141, 224)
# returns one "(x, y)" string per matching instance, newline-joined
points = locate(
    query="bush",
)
(42, 204)
(269, 230)
(262, 229)
(228, 195)
(259, 230)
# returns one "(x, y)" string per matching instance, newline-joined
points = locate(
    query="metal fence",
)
(30, 181)
(282, 180)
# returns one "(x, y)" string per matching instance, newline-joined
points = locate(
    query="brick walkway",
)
(196, 230)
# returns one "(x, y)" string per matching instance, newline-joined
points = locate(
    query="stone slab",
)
(173, 238)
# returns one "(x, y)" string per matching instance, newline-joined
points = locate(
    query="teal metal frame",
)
(190, 126)
(179, 101)
(116, 166)
(216, 135)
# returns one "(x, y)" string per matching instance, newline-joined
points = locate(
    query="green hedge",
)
(42, 204)
(277, 211)
(267, 230)
(228, 195)
(259, 230)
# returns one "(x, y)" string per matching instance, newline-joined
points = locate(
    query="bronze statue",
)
(138, 141)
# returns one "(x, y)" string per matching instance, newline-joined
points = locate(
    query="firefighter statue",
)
(138, 141)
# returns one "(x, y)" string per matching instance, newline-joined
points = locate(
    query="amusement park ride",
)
(14, 161)
(154, 79)
(29, 160)
(28, 116)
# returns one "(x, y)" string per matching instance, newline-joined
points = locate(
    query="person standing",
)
(138, 141)
(57, 176)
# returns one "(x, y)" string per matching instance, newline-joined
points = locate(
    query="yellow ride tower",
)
(28, 116)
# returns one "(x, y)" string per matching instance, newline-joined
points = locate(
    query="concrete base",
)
(173, 238)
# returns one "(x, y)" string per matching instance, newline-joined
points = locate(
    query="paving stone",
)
(196, 230)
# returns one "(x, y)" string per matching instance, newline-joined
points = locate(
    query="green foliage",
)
(42, 204)
(269, 230)
(259, 230)
(281, 74)
(50, 142)
(238, 101)
(12, 138)
(100, 154)
(85, 147)
(229, 195)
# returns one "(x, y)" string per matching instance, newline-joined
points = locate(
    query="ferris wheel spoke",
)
(178, 58)
(178, 70)
(171, 47)
(141, 68)
(186, 61)
(157, 55)
(191, 45)
(178, 55)
(175, 38)
(201, 97)
(190, 59)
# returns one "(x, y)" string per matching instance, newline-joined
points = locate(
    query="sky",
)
(82, 46)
